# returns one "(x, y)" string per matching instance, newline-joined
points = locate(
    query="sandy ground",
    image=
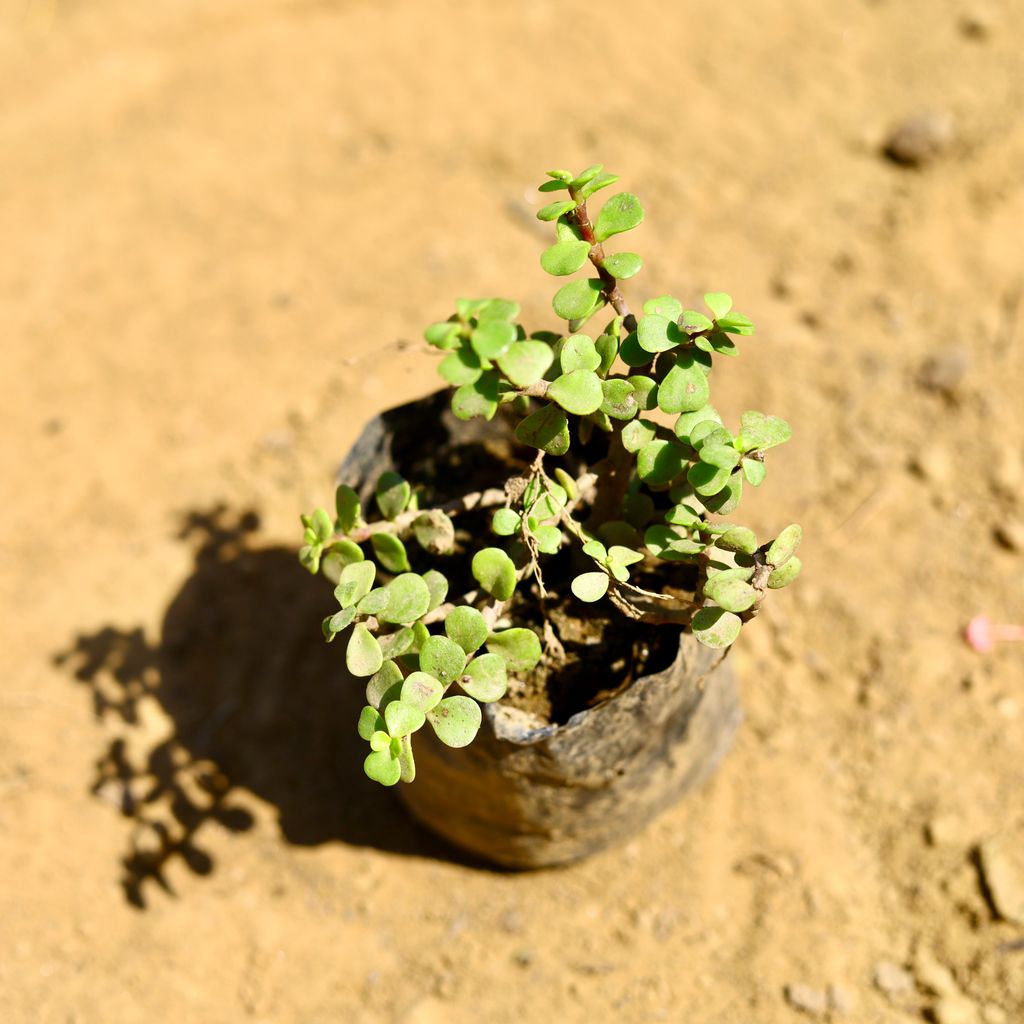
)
(218, 219)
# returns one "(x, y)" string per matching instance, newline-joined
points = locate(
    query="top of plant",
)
(668, 466)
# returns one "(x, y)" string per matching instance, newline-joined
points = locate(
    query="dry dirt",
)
(218, 221)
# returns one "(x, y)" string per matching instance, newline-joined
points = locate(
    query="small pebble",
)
(840, 1001)
(944, 371)
(1010, 535)
(920, 139)
(946, 830)
(892, 979)
(955, 1010)
(933, 975)
(812, 1001)
(933, 464)
(977, 24)
(1002, 867)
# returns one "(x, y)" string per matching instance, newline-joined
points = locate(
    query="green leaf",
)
(682, 514)
(656, 333)
(382, 767)
(456, 721)
(578, 392)
(559, 175)
(394, 645)
(590, 586)
(406, 761)
(619, 402)
(467, 308)
(548, 538)
(693, 321)
(567, 230)
(709, 432)
(421, 691)
(785, 546)
(623, 265)
(754, 471)
(525, 362)
(477, 399)
(718, 342)
(736, 323)
(443, 658)
(386, 678)
(374, 602)
(596, 550)
(350, 514)
(622, 555)
(685, 387)
(434, 531)
(671, 545)
(370, 722)
(555, 210)
(443, 335)
(660, 462)
(393, 494)
(721, 456)
(598, 182)
(467, 627)
(731, 594)
(495, 572)
(758, 431)
(390, 552)
(498, 309)
(437, 584)
(408, 599)
(519, 647)
(631, 353)
(461, 367)
(646, 391)
(354, 583)
(578, 353)
(505, 522)
(485, 678)
(638, 509)
(664, 305)
(715, 627)
(728, 498)
(621, 213)
(706, 479)
(739, 538)
(577, 299)
(550, 503)
(402, 718)
(719, 303)
(607, 347)
(638, 434)
(565, 257)
(590, 173)
(785, 574)
(491, 338)
(553, 186)
(335, 623)
(688, 420)
(363, 655)
(547, 429)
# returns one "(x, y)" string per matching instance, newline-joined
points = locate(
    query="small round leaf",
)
(495, 572)
(363, 655)
(578, 392)
(456, 720)
(715, 627)
(442, 658)
(621, 213)
(577, 299)
(485, 678)
(590, 586)
(565, 257)
(467, 627)
(408, 599)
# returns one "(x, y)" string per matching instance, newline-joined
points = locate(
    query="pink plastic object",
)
(983, 634)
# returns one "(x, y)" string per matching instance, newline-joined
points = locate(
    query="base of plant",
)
(526, 797)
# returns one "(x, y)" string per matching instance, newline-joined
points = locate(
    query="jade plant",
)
(641, 524)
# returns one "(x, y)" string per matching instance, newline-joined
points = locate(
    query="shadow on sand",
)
(258, 702)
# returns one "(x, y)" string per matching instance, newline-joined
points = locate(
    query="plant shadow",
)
(258, 702)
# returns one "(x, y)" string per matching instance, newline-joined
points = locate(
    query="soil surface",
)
(224, 227)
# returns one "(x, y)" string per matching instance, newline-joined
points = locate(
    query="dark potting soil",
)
(589, 658)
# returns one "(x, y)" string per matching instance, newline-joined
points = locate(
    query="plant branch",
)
(609, 285)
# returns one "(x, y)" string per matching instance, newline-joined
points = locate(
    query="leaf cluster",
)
(637, 385)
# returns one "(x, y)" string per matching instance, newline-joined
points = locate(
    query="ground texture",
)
(224, 225)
